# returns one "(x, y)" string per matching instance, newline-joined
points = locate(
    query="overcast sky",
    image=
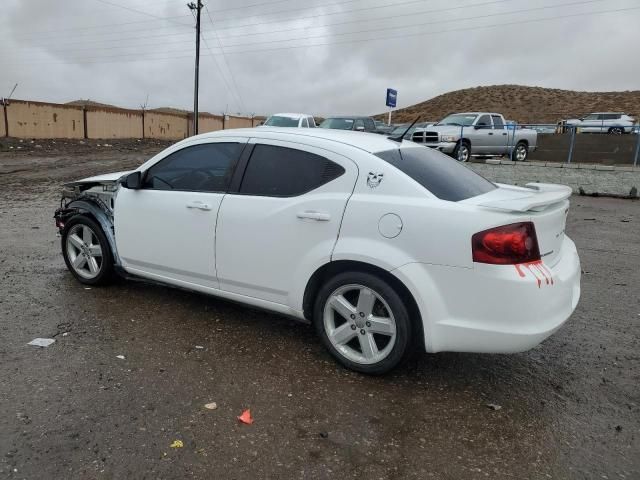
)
(320, 57)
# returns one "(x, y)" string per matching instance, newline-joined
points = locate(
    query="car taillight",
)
(506, 245)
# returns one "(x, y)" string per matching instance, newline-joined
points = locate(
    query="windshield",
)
(400, 129)
(443, 176)
(338, 123)
(279, 121)
(458, 119)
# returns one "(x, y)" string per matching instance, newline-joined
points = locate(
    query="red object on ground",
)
(246, 417)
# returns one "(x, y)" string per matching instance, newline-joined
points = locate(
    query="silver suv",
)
(604, 122)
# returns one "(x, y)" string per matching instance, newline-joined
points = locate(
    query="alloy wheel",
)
(463, 153)
(359, 324)
(84, 251)
(521, 153)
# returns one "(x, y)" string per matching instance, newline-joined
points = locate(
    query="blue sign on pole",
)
(392, 97)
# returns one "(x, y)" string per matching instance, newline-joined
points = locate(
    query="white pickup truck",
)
(462, 135)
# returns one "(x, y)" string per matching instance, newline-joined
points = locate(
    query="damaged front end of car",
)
(94, 197)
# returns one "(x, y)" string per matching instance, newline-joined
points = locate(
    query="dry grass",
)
(523, 104)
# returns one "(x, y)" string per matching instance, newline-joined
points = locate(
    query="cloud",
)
(321, 57)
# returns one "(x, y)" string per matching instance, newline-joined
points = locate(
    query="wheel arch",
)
(96, 212)
(466, 140)
(333, 268)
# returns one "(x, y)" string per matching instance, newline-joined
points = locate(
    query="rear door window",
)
(369, 125)
(443, 176)
(484, 121)
(498, 124)
(275, 171)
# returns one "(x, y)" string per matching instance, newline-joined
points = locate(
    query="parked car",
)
(614, 123)
(383, 128)
(384, 246)
(299, 120)
(462, 135)
(360, 124)
(543, 128)
(416, 130)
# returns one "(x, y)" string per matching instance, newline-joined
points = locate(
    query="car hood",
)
(105, 179)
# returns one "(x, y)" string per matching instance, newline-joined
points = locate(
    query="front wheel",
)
(521, 152)
(86, 251)
(363, 322)
(462, 152)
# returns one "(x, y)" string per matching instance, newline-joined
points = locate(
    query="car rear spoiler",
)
(540, 196)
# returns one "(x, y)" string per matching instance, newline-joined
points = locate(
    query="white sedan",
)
(386, 247)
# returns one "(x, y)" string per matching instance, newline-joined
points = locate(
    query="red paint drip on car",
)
(539, 271)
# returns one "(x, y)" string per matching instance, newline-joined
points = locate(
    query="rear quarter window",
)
(443, 176)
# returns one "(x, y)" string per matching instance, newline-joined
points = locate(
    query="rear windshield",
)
(338, 123)
(279, 121)
(441, 175)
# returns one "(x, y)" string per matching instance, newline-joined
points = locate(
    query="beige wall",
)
(3, 132)
(111, 123)
(43, 120)
(237, 122)
(165, 126)
(50, 120)
(209, 123)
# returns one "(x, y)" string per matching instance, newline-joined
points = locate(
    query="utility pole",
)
(197, 6)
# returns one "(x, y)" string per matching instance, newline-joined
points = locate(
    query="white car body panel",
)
(258, 251)
(267, 244)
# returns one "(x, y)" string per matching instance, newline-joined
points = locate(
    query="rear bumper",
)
(493, 309)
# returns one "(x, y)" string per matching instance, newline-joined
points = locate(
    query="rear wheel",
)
(616, 131)
(363, 322)
(521, 152)
(462, 152)
(86, 251)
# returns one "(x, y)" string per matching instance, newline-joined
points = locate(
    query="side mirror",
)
(133, 181)
(478, 126)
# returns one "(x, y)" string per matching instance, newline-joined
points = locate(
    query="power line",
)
(385, 18)
(409, 2)
(422, 24)
(224, 57)
(107, 25)
(171, 34)
(172, 18)
(417, 34)
(141, 12)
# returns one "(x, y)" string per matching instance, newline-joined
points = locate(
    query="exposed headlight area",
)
(448, 138)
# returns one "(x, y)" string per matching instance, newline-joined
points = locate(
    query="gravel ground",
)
(570, 408)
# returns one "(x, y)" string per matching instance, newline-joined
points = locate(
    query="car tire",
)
(86, 251)
(370, 334)
(520, 153)
(462, 152)
(616, 131)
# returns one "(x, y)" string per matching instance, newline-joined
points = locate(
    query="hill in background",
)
(520, 103)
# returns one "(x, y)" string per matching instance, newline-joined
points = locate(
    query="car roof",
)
(346, 116)
(369, 142)
(291, 115)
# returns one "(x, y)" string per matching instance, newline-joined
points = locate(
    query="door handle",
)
(317, 216)
(199, 205)
(505, 133)
(490, 133)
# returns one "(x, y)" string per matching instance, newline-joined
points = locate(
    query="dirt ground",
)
(570, 408)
